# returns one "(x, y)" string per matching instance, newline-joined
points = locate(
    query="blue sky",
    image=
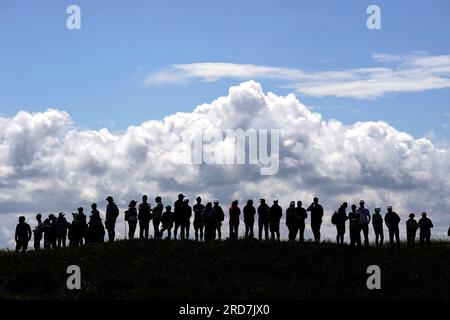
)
(97, 73)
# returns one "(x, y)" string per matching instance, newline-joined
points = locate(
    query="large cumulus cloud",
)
(47, 164)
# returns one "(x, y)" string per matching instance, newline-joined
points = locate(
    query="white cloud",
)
(410, 73)
(47, 164)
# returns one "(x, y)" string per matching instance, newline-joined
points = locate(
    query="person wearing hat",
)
(22, 235)
(263, 219)
(234, 212)
(38, 232)
(425, 226)
(249, 219)
(392, 220)
(275, 214)
(61, 226)
(377, 224)
(302, 215)
(364, 221)
(411, 230)
(220, 217)
(167, 220)
(157, 214)
(112, 213)
(131, 218)
(144, 217)
(316, 218)
(199, 219)
(292, 221)
(178, 211)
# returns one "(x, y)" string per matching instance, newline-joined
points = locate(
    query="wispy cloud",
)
(396, 73)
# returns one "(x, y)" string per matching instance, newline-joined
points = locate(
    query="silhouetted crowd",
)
(208, 220)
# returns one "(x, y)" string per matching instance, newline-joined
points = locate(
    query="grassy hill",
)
(226, 270)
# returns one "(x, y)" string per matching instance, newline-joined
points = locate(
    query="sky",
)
(71, 98)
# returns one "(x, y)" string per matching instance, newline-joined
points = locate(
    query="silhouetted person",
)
(38, 232)
(79, 228)
(112, 213)
(364, 220)
(263, 219)
(220, 217)
(199, 219)
(355, 232)
(210, 222)
(425, 226)
(50, 232)
(61, 230)
(249, 219)
(157, 214)
(411, 230)
(178, 211)
(22, 235)
(144, 217)
(275, 214)
(186, 224)
(292, 221)
(95, 226)
(377, 223)
(167, 220)
(316, 218)
(234, 213)
(341, 218)
(392, 221)
(131, 218)
(302, 215)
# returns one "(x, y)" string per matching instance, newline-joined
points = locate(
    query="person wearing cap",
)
(167, 220)
(144, 217)
(50, 232)
(292, 221)
(38, 232)
(157, 214)
(199, 219)
(355, 232)
(377, 224)
(341, 218)
(392, 220)
(234, 212)
(131, 218)
(263, 219)
(275, 214)
(316, 218)
(22, 235)
(178, 211)
(302, 215)
(364, 221)
(112, 213)
(249, 219)
(411, 230)
(425, 226)
(186, 223)
(61, 226)
(220, 217)
(210, 222)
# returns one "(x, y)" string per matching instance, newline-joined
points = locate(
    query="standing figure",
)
(144, 217)
(61, 226)
(275, 214)
(292, 221)
(22, 235)
(50, 232)
(234, 213)
(377, 223)
(316, 218)
(249, 219)
(186, 224)
(131, 217)
(302, 215)
(364, 220)
(210, 222)
(38, 232)
(157, 214)
(95, 226)
(355, 232)
(425, 226)
(199, 219)
(178, 211)
(411, 230)
(112, 213)
(392, 221)
(220, 216)
(167, 220)
(263, 219)
(341, 218)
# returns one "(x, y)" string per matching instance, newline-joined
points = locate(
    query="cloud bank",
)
(47, 164)
(410, 73)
